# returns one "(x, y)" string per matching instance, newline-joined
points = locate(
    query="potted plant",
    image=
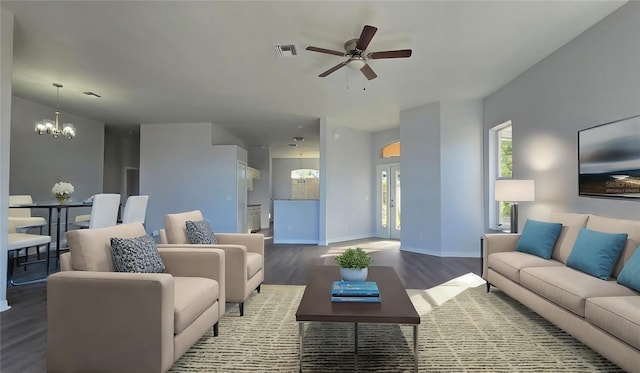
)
(353, 264)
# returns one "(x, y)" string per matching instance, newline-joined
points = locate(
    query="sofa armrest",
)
(254, 242)
(188, 261)
(130, 313)
(496, 243)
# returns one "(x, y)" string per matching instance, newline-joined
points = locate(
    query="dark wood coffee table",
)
(395, 308)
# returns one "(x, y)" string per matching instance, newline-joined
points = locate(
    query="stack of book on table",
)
(355, 292)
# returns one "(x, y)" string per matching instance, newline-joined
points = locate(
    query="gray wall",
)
(260, 158)
(346, 189)
(39, 161)
(6, 62)
(591, 80)
(121, 149)
(461, 210)
(421, 194)
(441, 162)
(282, 168)
(181, 171)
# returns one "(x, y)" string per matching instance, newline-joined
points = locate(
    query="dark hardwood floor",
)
(23, 327)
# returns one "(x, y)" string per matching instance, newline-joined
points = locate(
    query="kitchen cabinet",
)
(253, 218)
(252, 173)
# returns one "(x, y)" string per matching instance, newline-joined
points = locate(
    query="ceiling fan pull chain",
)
(364, 83)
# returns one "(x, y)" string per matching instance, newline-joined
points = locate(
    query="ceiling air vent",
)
(285, 50)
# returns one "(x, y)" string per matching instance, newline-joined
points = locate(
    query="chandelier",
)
(51, 127)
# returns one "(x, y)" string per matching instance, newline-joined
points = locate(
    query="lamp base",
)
(514, 217)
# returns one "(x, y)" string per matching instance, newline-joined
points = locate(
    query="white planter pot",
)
(349, 274)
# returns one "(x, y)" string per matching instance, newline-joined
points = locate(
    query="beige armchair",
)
(244, 259)
(100, 320)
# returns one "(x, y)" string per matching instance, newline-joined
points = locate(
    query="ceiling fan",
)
(357, 58)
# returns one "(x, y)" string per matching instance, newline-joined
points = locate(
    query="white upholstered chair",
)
(135, 209)
(21, 217)
(104, 211)
(244, 255)
(17, 241)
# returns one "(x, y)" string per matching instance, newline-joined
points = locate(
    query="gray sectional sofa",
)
(602, 314)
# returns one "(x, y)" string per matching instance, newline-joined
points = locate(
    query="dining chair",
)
(104, 211)
(21, 217)
(135, 209)
(17, 241)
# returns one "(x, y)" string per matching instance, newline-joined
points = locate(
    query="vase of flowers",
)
(354, 264)
(62, 190)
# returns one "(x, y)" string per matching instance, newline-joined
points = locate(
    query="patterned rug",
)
(472, 332)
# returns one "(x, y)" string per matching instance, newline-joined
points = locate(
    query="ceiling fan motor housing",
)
(350, 47)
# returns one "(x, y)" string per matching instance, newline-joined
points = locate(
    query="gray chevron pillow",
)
(139, 255)
(200, 232)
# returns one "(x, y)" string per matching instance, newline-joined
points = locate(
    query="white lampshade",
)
(514, 190)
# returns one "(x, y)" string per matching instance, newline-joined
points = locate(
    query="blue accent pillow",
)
(539, 238)
(596, 253)
(630, 275)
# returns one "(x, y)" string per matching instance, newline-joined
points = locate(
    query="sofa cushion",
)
(254, 264)
(509, 263)
(571, 224)
(91, 248)
(539, 238)
(567, 287)
(174, 226)
(137, 255)
(200, 232)
(610, 225)
(619, 316)
(193, 295)
(596, 253)
(630, 275)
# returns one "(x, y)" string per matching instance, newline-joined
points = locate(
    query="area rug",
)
(474, 331)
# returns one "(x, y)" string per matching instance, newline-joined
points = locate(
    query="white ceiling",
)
(213, 61)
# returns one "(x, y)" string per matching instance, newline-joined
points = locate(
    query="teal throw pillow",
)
(539, 238)
(630, 275)
(596, 253)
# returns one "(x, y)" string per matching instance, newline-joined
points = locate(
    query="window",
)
(384, 185)
(391, 150)
(305, 184)
(501, 164)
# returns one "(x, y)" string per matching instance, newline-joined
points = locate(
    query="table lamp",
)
(514, 191)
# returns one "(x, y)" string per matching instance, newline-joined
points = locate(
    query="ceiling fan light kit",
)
(357, 58)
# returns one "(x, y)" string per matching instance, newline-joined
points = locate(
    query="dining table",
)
(58, 206)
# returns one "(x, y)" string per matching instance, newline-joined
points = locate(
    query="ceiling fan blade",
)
(368, 72)
(365, 37)
(336, 67)
(404, 53)
(327, 51)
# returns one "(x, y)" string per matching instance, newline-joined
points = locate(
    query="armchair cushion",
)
(193, 295)
(254, 264)
(175, 228)
(91, 248)
(138, 254)
(200, 232)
